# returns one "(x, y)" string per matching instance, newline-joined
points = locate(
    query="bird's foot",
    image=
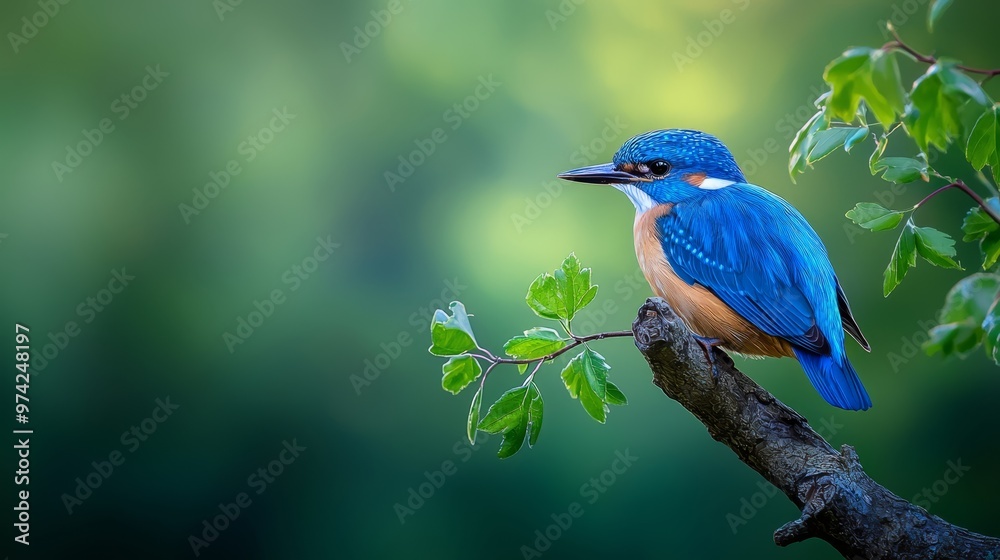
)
(708, 345)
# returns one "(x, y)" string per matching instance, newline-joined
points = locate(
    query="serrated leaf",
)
(451, 335)
(825, 142)
(536, 411)
(936, 247)
(472, 424)
(575, 379)
(904, 257)
(615, 395)
(874, 217)
(506, 412)
(852, 78)
(543, 298)
(901, 169)
(802, 143)
(933, 119)
(562, 294)
(978, 223)
(934, 12)
(459, 371)
(961, 319)
(535, 343)
(984, 142)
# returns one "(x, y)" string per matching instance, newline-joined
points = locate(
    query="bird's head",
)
(665, 166)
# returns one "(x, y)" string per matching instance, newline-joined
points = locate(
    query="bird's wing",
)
(732, 251)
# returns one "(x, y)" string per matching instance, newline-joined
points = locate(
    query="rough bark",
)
(839, 502)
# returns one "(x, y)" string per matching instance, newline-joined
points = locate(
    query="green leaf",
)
(901, 169)
(874, 217)
(562, 295)
(936, 247)
(535, 343)
(990, 246)
(978, 223)
(991, 333)
(615, 395)
(459, 371)
(451, 335)
(937, 96)
(877, 154)
(827, 141)
(852, 77)
(506, 413)
(904, 256)
(802, 143)
(536, 410)
(542, 297)
(961, 319)
(984, 142)
(858, 136)
(934, 13)
(575, 378)
(472, 425)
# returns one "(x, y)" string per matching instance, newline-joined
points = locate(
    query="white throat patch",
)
(639, 198)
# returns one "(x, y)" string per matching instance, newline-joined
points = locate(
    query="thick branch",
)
(839, 502)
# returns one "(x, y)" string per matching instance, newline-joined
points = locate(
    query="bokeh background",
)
(570, 82)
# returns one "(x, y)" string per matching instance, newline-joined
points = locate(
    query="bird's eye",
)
(659, 167)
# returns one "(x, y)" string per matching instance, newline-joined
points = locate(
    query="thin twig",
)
(967, 190)
(577, 340)
(927, 59)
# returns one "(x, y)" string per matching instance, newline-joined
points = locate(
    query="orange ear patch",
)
(695, 179)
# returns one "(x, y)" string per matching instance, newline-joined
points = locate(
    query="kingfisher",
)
(738, 264)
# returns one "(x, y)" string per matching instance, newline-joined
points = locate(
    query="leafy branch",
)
(518, 413)
(945, 105)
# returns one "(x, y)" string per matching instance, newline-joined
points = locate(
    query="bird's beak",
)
(604, 174)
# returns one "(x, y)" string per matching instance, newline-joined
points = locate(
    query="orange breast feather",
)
(699, 308)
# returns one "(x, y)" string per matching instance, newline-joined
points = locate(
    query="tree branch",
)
(898, 44)
(971, 193)
(840, 504)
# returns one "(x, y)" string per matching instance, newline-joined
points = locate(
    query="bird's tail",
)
(835, 380)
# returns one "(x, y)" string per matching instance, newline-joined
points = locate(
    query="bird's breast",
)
(698, 307)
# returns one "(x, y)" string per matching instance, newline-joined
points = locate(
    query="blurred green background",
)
(474, 217)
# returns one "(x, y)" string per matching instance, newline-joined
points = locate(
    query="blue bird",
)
(738, 264)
